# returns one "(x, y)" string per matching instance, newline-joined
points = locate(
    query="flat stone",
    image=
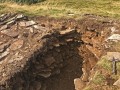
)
(49, 61)
(13, 34)
(111, 55)
(95, 51)
(66, 31)
(16, 45)
(22, 24)
(15, 58)
(79, 84)
(114, 37)
(45, 74)
(4, 47)
(4, 27)
(36, 26)
(29, 23)
(117, 83)
(113, 29)
(11, 22)
(20, 16)
(2, 55)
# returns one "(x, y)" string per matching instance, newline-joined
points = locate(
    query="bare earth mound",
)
(48, 54)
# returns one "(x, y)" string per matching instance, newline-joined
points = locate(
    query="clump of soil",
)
(48, 53)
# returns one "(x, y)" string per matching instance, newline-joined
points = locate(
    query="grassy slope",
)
(59, 8)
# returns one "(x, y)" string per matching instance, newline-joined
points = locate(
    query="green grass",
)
(61, 8)
(98, 78)
(105, 64)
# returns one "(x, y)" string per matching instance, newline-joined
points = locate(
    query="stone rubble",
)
(117, 83)
(29, 50)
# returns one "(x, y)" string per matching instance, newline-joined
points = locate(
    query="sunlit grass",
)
(60, 8)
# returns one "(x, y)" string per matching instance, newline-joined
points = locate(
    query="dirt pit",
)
(48, 53)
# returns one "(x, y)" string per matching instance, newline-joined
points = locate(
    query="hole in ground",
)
(71, 70)
(55, 66)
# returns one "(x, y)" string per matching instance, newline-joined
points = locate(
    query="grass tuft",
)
(98, 78)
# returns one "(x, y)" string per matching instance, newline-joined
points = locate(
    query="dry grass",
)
(60, 8)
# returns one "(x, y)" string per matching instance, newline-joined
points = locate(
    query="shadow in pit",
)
(71, 70)
(66, 67)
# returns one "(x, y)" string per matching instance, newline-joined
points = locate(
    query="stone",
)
(79, 84)
(85, 75)
(20, 16)
(16, 45)
(2, 55)
(86, 40)
(22, 24)
(36, 26)
(3, 47)
(13, 34)
(113, 30)
(117, 83)
(111, 55)
(97, 53)
(4, 27)
(45, 74)
(30, 23)
(66, 31)
(15, 57)
(11, 22)
(114, 37)
(31, 30)
(49, 61)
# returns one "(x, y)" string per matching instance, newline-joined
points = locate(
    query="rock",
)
(4, 27)
(20, 16)
(86, 40)
(36, 26)
(30, 23)
(95, 51)
(114, 37)
(111, 55)
(79, 84)
(13, 34)
(113, 30)
(15, 57)
(11, 22)
(2, 55)
(66, 31)
(45, 74)
(85, 75)
(27, 23)
(31, 30)
(49, 61)
(3, 47)
(22, 24)
(117, 83)
(17, 44)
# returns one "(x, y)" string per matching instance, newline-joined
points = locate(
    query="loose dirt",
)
(48, 53)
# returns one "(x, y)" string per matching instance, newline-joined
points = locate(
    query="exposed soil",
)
(50, 54)
(72, 70)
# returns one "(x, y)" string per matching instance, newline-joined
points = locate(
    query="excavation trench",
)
(56, 65)
(52, 56)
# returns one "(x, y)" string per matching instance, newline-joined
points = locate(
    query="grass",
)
(98, 78)
(105, 64)
(62, 8)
